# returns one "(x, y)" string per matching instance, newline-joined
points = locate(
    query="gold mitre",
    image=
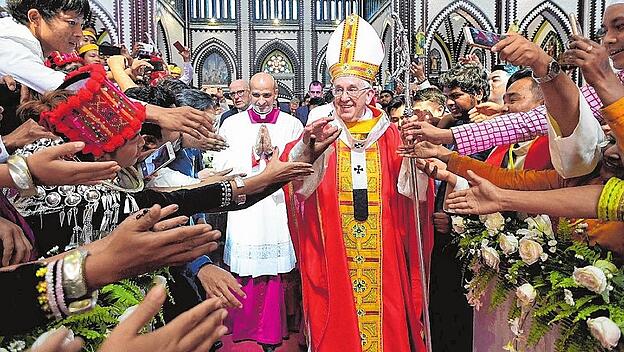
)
(354, 49)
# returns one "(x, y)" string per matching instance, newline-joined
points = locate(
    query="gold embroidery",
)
(363, 246)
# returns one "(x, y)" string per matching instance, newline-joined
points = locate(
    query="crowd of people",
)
(270, 220)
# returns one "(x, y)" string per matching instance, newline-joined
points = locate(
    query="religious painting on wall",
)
(215, 71)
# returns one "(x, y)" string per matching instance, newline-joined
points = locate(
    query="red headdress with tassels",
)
(99, 114)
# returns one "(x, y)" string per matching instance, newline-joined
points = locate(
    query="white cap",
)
(354, 49)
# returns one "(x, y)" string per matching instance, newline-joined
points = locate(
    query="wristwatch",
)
(240, 183)
(554, 69)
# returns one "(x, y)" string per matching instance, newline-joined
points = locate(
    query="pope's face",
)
(351, 95)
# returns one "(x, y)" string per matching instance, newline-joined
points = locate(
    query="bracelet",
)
(226, 197)
(58, 288)
(74, 282)
(603, 201)
(614, 206)
(51, 296)
(20, 174)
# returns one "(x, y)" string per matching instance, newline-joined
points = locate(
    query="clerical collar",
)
(270, 117)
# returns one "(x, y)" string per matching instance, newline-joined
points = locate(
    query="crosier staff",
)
(402, 75)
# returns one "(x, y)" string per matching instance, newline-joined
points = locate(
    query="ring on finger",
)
(589, 48)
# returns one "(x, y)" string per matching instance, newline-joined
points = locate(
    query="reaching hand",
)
(220, 284)
(481, 198)
(186, 54)
(16, 248)
(183, 119)
(485, 111)
(423, 150)
(194, 330)
(47, 167)
(278, 171)
(418, 71)
(26, 133)
(208, 176)
(593, 60)
(470, 59)
(424, 131)
(209, 141)
(436, 169)
(317, 137)
(133, 248)
(519, 51)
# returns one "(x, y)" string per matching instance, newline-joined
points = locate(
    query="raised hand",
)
(317, 137)
(519, 51)
(220, 284)
(481, 198)
(194, 330)
(593, 60)
(208, 141)
(48, 168)
(436, 169)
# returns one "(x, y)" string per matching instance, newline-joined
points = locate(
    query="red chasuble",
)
(389, 295)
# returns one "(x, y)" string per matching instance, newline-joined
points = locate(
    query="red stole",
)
(316, 230)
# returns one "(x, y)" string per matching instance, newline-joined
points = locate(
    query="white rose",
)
(508, 243)
(490, 257)
(459, 226)
(605, 331)
(542, 224)
(568, 297)
(43, 337)
(530, 251)
(591, 277)
(494, 222)
(526, 294)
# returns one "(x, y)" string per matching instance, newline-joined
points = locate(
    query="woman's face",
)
(92, 57)
(61, 32)
(128, 154)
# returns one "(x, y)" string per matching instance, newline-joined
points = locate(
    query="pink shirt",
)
(513, 128)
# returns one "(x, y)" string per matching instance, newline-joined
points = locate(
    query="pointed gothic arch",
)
(162, 40)
(107, 20)
(214, 46)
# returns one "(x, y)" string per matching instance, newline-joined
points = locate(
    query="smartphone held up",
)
(480, 38)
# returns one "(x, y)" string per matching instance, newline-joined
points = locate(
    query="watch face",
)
(554, 68)
(239, 182)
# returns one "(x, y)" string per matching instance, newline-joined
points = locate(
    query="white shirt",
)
(21, 56)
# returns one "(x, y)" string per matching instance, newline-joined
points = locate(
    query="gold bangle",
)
(604, 199)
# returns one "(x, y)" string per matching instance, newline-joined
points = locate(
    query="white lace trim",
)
(258, 260)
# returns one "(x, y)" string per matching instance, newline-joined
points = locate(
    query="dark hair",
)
(174, 85)
(430, 94)
(316, 101)
(395, 103)
(194, 98)
(471, 79)
(152, 95)
(47, 8)
(527, 73)
(387, 91)
(315, 83)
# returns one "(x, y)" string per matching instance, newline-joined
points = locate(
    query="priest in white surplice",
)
(258, 246)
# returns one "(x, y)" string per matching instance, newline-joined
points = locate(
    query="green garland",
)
(554, 281)
(95, 325)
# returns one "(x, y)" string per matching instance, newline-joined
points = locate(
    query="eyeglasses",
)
(352, 92)
(239, 92)
(264, 95)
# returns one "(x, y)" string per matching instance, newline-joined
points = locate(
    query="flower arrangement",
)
(554, 281)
